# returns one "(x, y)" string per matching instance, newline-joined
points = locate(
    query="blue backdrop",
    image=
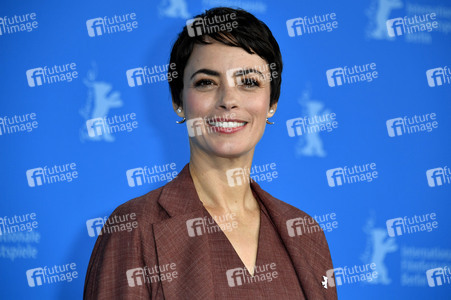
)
(361, 137)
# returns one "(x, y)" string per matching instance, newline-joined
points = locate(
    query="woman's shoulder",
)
(144, 208)
(282, 207)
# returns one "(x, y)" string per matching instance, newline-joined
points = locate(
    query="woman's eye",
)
(203, 83)
(250, 82)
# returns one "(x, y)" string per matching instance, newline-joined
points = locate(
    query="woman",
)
(211, 233)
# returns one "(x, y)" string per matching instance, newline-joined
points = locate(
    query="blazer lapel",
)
(177, 241)
(309, 260)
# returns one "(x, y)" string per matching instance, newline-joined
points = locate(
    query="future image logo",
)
(94, 226)
(237, 176)
(350, 75)
(409, 225)
(349, 275)
(48, 175)
(410, 125)
(35, 77)
(147, 175)
(50, 75)
(148, 75)
(95, 27)
(195, 126)
(111, 125)
(307, 224)
(213, 24)
(18, 123)
(313, 24)
(311, 125)
(109, 25)
(410, 25)
(438, 76)
(241, 276)
(49, 275)
(438, 276)
(115, 223)
(18, 23)
(146, 275)
(438, 176)
(211, 224)
(35, 277)
(355, 174)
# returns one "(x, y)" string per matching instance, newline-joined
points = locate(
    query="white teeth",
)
(227, 124)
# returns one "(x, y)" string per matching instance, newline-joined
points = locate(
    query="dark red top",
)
(274, 275)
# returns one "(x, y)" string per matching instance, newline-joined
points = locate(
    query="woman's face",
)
(229, 89)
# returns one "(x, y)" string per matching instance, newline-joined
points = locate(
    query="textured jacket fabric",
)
(161, 242)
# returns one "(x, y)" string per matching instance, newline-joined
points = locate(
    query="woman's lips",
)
(227, 127)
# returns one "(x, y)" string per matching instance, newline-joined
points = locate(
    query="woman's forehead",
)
(220, 57)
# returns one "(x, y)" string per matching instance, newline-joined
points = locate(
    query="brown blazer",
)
(161, 238)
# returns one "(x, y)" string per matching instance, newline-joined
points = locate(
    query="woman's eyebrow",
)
(248, 71)
(205, 71)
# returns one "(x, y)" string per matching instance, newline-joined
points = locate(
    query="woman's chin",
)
(229, 151)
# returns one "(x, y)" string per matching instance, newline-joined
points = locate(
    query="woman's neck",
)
(223, 183)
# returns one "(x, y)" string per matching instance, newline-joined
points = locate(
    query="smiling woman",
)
(228, 88)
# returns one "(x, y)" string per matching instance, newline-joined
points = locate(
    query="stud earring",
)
(267, 121)
(179, 110)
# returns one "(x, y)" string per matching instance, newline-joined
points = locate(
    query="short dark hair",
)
(250, 33)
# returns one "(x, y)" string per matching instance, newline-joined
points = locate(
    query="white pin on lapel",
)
(324, 282)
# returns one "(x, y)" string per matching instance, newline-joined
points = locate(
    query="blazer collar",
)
(191, 254)
(180, 196)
